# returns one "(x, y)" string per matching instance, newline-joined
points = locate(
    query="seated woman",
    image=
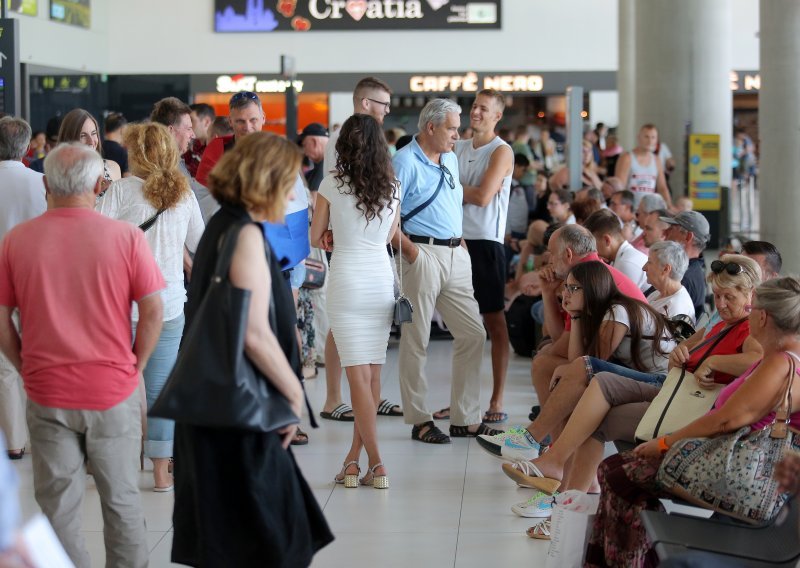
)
(612, 406)
(589, 172)
(558, 205)
(628, 480)
(666, 264)
(606, 325)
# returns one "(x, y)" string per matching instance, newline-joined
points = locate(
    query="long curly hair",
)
(364, 164)
(153, 156)
(600, 295)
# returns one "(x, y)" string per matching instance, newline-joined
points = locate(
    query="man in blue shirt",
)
(437, 273)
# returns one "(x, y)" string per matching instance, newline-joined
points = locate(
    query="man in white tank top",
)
(485, 165)
(641, 169)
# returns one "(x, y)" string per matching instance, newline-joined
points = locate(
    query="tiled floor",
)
(447, 505)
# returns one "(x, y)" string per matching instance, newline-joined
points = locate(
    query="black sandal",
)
(300, 438)
(463, 431)
(431, 436)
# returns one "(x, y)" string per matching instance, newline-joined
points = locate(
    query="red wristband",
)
(662, 445)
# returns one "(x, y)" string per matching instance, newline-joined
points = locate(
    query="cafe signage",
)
(236, 83)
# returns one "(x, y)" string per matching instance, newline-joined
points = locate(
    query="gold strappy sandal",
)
(376, 481)
(349, 480)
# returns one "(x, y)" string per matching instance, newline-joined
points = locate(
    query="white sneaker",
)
(511, 445)
(540, 506)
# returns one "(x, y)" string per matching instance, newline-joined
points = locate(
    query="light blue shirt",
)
(9, 502)
(419, 178)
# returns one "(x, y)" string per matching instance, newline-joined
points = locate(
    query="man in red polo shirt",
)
(568, 246)
(73, 274)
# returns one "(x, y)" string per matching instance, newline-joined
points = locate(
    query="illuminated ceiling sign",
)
(236, 83)
(745, 81)
(471, 83)
(231, 16)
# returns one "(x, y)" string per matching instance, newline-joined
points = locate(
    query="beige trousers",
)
(441, 278)
(12, 402)
(111, 439)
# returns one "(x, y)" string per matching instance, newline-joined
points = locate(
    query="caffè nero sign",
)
(237, 16)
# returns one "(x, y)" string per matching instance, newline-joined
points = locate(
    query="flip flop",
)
(443, 414)
(496, 417)
(528, 475)
(166, 489)
(300, 438)
(540, 531)
(338, 414)
(386, 408)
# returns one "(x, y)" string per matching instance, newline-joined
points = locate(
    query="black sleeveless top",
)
(204, 261)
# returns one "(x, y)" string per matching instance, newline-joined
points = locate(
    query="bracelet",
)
(662, 445)
(573, 318)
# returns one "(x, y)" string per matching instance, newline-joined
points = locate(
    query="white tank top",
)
(642, 179)
(482, 223)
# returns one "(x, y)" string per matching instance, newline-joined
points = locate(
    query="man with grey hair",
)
(568, 246)
(437, 273)
(649, 203)
(690, 229)
(22, 198)
(73, 274)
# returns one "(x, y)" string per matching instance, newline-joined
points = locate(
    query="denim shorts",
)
(595, 365)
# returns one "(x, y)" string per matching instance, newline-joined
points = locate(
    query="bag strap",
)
(225, 255)
(780, 424)
(151, 221)
(419, 208)
(716, 341)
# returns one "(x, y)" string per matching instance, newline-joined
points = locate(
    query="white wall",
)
(176, 36)
(604, 107)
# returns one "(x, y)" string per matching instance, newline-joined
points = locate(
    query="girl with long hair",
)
(80, 126)
(360, 201)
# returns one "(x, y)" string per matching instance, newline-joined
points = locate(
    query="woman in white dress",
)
(360, 202)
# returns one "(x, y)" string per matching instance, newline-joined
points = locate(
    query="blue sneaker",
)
(540, 506)
(513, 445)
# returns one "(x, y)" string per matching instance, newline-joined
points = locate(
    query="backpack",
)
(521, 325)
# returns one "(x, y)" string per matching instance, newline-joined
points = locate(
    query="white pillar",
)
(626, 85)
(779, 125)
(683, 63)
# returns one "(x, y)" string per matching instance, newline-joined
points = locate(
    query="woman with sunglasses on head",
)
(613, 405)
(360, 200)
(628, 480)
(80, 126)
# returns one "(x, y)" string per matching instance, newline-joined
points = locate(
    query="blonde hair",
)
(153, 156)
(257, 174)
(780, 298)
(746, 281)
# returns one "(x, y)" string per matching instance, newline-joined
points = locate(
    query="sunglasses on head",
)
(731, 268)
(241, 95)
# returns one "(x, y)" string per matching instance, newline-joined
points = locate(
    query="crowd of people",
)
(329, 231)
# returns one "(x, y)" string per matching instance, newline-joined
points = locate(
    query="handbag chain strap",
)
(783, 415)
(398, 270)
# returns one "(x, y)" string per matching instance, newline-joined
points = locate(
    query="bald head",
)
(72, 169)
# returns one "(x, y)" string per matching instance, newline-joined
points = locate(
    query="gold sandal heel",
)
(377, 481)
(349, 480)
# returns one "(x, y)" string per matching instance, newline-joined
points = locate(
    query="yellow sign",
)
(704, 171)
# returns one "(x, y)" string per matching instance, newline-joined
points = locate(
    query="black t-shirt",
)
(114, 151)
(695, 283)
(314, 176)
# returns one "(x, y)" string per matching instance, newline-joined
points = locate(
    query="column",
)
(778, 127)
(626, 86)
(682, 76)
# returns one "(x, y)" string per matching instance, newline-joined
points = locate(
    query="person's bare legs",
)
(498, 334)
(562, 400)
(542, 368)
(582, 473)
(365, 392)
(333, 376)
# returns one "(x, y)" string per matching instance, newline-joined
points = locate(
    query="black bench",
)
(769, 545)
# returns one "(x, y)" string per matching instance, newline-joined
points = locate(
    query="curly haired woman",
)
(360, 201)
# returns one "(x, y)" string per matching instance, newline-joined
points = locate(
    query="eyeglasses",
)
(448, 176)
(571, 288)
(731, 268)
(241, 95)
(386, 105)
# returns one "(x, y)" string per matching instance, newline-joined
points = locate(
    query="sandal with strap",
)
(526, 474)
(540, 531)
(338, 414)
(376, 481)
(300, 438)
(431, 436)
(443, 414)
(495, 416)
(386, 408)
(349, 480)
(464, 432)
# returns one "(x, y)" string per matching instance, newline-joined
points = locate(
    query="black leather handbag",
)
(213, 383)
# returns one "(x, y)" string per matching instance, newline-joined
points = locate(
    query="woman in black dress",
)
(240, 499)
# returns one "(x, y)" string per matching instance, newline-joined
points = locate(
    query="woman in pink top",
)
(628, 480)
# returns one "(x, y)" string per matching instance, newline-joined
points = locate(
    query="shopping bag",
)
(570, 526)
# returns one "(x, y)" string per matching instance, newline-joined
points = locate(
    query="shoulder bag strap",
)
(151, 221)
(225, 252)
(419, 208)
(716, 339)
(783, 414)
